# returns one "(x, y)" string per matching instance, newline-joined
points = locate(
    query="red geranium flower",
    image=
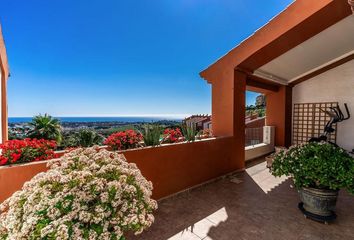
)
(27, 150)
(172, 135)
(124, 140)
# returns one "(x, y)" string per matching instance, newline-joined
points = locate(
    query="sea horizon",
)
(126, 119)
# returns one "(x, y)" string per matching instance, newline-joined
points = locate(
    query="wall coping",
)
(251, 147)
(121, 151)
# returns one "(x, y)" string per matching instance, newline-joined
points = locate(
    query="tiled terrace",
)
(247, 206)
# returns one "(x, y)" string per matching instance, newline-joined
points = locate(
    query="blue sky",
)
(111, 57)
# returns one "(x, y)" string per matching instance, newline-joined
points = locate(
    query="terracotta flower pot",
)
(320, 202)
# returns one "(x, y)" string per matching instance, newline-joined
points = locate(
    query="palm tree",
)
(46, 127)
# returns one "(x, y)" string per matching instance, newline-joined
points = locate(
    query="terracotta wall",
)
(4, 69)
(12, 178)
(278, 112)
(223, 105)
(171, 168)
(177, 167)
(239, 114)
(302, 20)
(257, 123)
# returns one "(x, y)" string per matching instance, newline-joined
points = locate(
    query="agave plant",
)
(70, 140)
(151, 135)
(189, 132)
(45, 127)
(88, 138)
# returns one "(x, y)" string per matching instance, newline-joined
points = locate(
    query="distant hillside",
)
(258, 108)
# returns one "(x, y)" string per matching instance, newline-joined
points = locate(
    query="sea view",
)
(177, 120)
(125, 119)
(104, 126)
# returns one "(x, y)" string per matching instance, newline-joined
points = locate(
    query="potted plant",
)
(319, 171)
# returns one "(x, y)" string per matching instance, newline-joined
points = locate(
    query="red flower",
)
(3, 160)
(172, 135)
(15, 157)
(123, 140)
(27, 150)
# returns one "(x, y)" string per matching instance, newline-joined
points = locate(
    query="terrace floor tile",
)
(249, 208)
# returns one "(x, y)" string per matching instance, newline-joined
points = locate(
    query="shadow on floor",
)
(237, 208)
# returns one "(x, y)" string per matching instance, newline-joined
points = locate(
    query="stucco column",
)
(278, 114)
(4, 117)
(239, 112)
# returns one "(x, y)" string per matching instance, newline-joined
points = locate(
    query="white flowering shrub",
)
(87, 194)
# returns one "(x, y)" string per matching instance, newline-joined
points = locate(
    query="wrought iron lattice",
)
(309, 120)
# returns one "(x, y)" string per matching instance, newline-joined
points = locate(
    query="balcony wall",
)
(262, 148)
(171, 168)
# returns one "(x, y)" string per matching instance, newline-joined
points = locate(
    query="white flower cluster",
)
(87, 194)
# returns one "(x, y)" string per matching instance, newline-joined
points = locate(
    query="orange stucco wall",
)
(300, 21)
(228, 109)
(257, 123)
(4, 68)
(278, 114)
(12, 178)
(222, 105)
(239, 114)
(177, 167)
(171, 168)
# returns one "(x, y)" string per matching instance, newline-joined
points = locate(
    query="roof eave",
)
(280, 25)
(3, 56)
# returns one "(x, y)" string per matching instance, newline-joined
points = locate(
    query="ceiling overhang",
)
(299, 22)
(257, 84)
(323, 49)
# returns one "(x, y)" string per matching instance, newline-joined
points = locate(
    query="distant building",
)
(4, 74)
(199, 122)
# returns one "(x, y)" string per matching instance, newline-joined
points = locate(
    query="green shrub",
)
(69, 140)
(319, 165)
(88, 138)
(189, 133)
(45, 127)
(82, 138)
(111, 130)
(152, 134)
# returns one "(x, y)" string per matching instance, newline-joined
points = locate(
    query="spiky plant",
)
(45, 127)
(151, 135)
(88, 138)
(189, 132)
